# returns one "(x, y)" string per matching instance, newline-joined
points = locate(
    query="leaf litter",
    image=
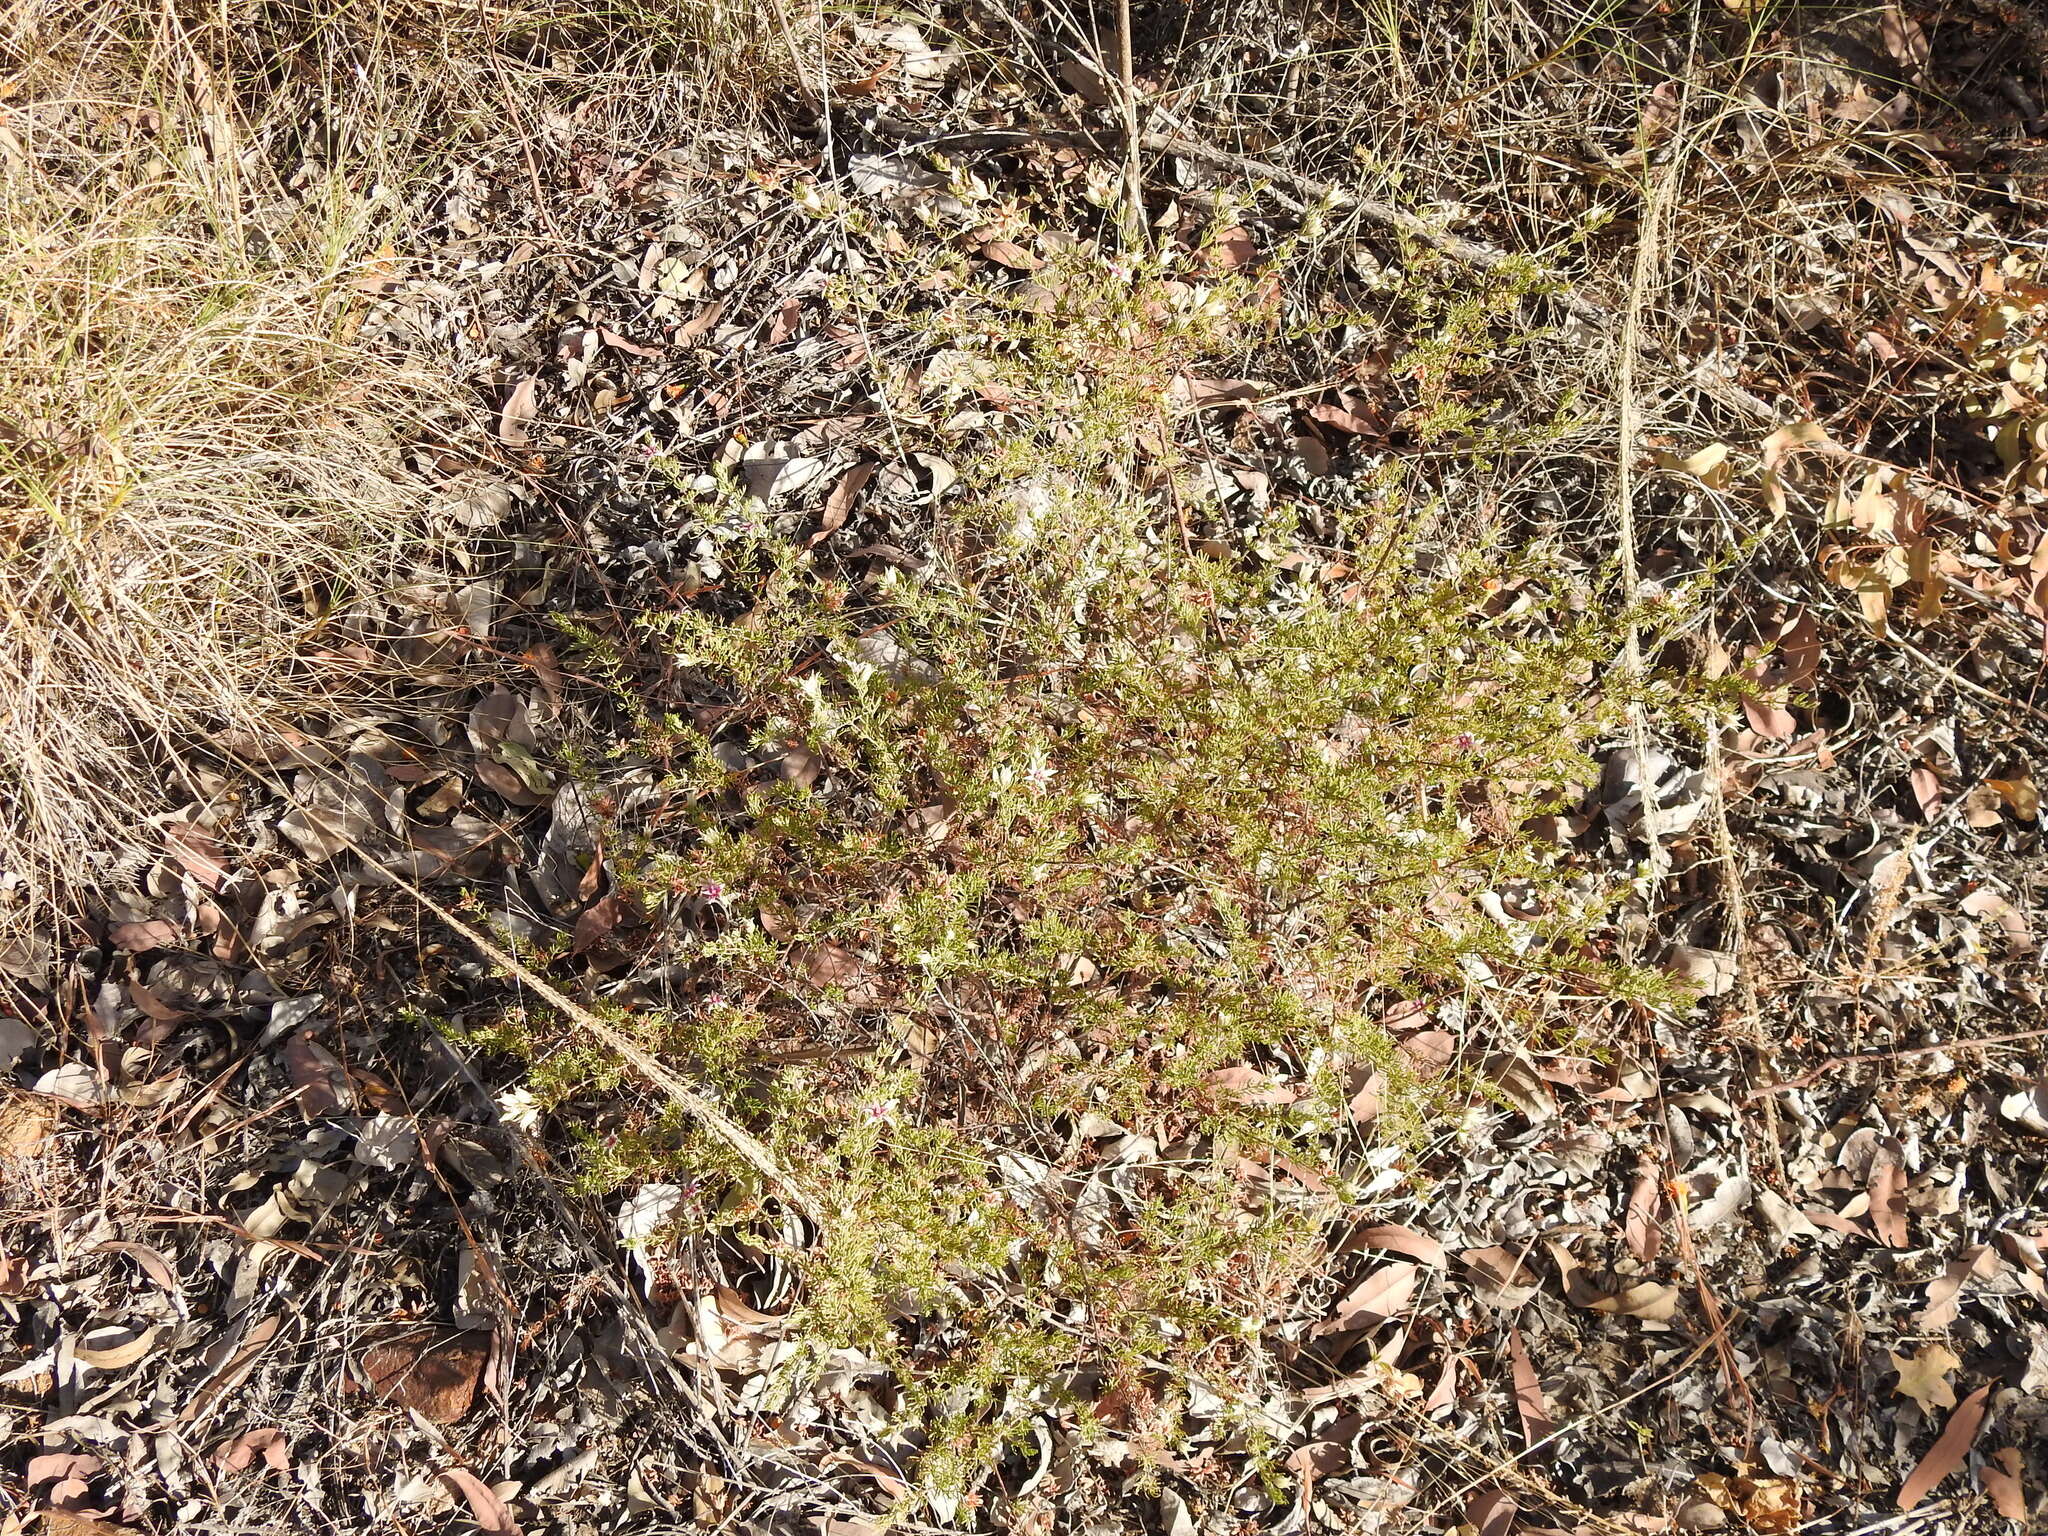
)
(1774, 1258)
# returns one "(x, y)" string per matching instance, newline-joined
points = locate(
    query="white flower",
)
(518, 1107)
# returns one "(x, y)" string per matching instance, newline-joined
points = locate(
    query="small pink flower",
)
(1465, 741)
(711, 891)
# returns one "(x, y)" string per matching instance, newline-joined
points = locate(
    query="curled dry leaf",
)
(489, 1511)
(150, 1262)
(1649, 1300)
(1709, 466)
(1986, 904)
(2027, 1108)
(1957, 1436)
(1641, 1228)
(109, 1352)
(647, 1210)
(1769, 1505)
(517, 411)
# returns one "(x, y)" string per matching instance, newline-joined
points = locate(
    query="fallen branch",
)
(694, 1104)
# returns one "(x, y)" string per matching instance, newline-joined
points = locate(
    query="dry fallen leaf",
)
(1503, 1277)
(1945, 1291)
(1888, 1204)
(1398, 1239)
(1769, 1505)
(485, 1507)
(1537, 1424)
(1924, 1377)
(240, 1453)
(2001, 1478)
(1709, 465)
(1429, 1052)
(1380, 1296)
(1490, 1512)
(1948, 1452)
(1008, 253)
(517, 411)
(1234, 247)
(195, 849)
(110, 1352)
(1641, 1228)
(2019, 793)
(839, 504)
(1648, 1300)
(62, 1479)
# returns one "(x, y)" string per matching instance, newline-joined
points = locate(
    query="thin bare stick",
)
(1657, 195)
(1974, 1043)
(1134, 180)
(694, 1104)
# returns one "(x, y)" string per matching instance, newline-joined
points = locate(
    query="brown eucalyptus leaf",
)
(1491, 1512)
(839, 504)
(1641, 1228)
(1888, 1204)
(517, 411)
(2001, 1477)
(1399, 1239)
(1949, 1450)
(61, 1479)
(197, 853)
(489, 1511)
(1379, 1297)
(322, 1082)
(1537, 1424)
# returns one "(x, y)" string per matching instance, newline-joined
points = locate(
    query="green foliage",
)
(1105, 812)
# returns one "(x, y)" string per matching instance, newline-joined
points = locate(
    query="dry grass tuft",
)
(197, 467)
